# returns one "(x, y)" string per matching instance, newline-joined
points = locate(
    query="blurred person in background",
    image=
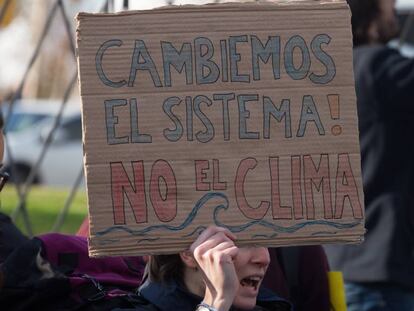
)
(379, 273)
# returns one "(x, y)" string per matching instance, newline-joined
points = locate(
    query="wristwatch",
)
(205, 307)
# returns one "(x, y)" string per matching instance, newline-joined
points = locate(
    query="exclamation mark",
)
(334, 107)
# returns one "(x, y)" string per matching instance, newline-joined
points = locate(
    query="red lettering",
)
(318, 177)
(250, 212)
(165, 207)
(346, 188)
(217, 184)
(200, 167)
(278, 211)
(121, 184)
(296, 187)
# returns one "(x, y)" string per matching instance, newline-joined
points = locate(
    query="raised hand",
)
(215, 251)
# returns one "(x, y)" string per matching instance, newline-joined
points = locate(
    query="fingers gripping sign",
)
(215, 252)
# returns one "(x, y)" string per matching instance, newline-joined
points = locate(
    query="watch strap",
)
(205, 307)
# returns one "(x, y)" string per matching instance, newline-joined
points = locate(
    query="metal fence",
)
(23, 187)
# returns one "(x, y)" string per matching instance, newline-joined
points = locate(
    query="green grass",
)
(43, 206)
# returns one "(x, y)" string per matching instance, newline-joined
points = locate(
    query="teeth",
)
(251, 281)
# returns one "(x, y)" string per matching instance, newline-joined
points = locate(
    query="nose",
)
(261, 256)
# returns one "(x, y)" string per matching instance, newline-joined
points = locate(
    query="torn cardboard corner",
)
(238, 115)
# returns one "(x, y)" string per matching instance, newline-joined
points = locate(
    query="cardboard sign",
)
(239, 115)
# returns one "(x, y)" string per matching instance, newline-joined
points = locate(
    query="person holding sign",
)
(379, 273)
(214, 270)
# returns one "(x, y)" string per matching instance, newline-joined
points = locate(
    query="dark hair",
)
(364, 12)
(162, 268)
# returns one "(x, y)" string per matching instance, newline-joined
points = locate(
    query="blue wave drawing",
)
(186, 222)
(197, 230)
(264, 236)
(235, 229)
(324, 233)
(277, 228)
(108, 241)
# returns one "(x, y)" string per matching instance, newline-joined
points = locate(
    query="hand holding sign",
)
(214, 251)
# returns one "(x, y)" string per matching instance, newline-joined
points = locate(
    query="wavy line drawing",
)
(186, 222)
(235, 229)
(108, 241)
(197, 230)
(277, 228)
(324, 233)
(264, 236)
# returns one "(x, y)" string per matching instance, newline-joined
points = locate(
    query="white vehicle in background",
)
(63, 157)
(27, 113)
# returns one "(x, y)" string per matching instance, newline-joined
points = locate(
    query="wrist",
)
(203, 306)
(218, 304)
(220, 300)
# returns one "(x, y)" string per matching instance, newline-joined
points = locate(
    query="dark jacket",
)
(385, 97)
(299, 275)
(10, 237)
(173, 296)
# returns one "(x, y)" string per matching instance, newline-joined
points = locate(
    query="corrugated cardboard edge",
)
(83, 126)
(353, 239)
(233, 6)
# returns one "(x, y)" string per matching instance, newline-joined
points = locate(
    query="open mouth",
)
(251, 281)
